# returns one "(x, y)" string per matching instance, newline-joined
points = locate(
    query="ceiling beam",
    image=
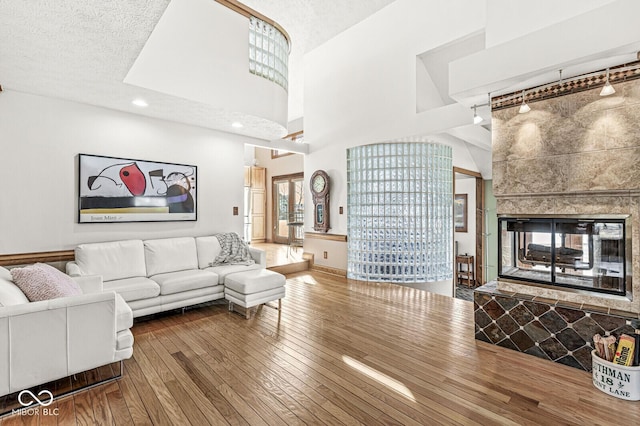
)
(473, 134)
(560, 46)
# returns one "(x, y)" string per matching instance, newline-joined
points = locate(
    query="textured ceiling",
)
(312, 22)
(82, 50)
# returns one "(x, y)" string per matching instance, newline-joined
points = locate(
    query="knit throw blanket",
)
(234, 251)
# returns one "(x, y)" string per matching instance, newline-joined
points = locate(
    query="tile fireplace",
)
(567, 187)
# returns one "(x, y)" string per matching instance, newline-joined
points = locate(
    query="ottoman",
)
(252, 288)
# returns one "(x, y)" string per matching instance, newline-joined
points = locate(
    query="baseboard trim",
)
(329, 270)
(329, 237)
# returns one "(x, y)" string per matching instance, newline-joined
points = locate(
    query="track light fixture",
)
(560, 79)
(564, 86)
(608, 88)
(524, 108)
(476, 118)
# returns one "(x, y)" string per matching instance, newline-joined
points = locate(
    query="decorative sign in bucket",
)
(616, 380)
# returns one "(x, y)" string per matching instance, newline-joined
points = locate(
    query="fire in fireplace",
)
(591, 254)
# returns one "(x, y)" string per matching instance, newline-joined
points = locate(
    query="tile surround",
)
(546, 328)
(572, 154)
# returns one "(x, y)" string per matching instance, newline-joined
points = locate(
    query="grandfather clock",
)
(320, 192)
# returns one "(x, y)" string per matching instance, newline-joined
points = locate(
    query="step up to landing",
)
(291, 268)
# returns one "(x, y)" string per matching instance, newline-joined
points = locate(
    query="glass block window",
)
(268, 52)
(400, 212)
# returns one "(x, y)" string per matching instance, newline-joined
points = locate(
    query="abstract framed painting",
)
(114, 189)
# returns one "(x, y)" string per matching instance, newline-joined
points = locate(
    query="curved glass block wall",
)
(268, 52)
(400, 202)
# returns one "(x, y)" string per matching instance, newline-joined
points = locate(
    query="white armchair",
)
(51, 339)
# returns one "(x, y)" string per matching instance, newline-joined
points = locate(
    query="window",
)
(268, 52)
(400, 220)
(288, 208)
(277, 153)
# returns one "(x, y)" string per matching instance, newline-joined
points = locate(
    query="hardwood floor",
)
(339, 352)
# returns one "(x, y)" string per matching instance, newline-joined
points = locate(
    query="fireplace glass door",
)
(576, 253)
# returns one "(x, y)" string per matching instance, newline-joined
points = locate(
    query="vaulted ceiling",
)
(82, 51)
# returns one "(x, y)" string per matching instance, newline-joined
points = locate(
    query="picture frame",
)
(112, 189)
(460, 212)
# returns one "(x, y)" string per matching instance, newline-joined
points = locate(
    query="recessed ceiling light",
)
(236, 124)
(140, 103)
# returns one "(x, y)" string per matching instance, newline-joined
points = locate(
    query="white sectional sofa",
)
(161, 274)
(51, 339)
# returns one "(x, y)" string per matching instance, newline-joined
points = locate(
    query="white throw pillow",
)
(5, 274)
(208, 249)
(43, 282)
(10, 294)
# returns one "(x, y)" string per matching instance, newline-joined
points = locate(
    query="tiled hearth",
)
(550, 329)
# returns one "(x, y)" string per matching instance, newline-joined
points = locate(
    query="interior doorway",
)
(288, 207)
(469, 249)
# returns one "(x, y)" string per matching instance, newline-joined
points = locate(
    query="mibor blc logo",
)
(28, 400)
(34, 398)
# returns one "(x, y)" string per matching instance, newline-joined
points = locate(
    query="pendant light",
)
(476, 118)
(524, 108)
(608, 88)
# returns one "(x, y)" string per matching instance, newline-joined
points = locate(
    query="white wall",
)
(368, 93)
(427, 95)
(280, 166)
(509, 19)
(249, 155)
(41, 138)
(361, 85)
(604, 36)
(467, 240)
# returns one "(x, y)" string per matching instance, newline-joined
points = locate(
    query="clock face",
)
(319, 183)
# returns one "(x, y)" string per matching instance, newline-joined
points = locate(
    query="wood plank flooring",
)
(339, 353)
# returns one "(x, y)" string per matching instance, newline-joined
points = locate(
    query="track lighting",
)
(476, 118)
(565, 86)
(608, 88)
(524, 108)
